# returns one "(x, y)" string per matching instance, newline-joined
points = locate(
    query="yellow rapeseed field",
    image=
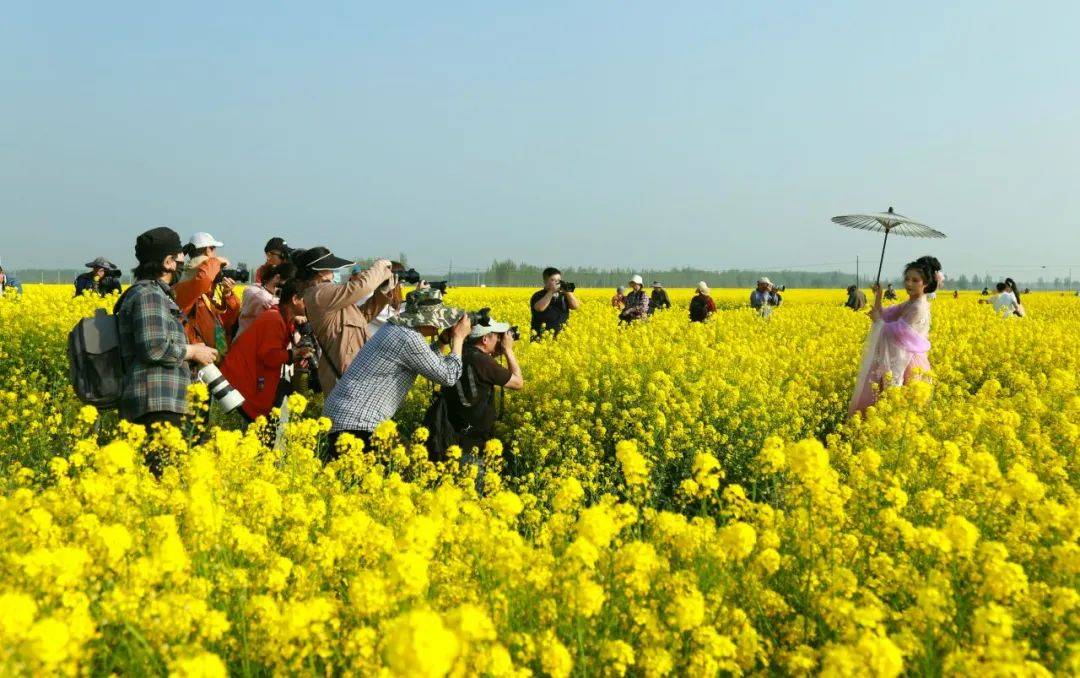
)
(675, 499)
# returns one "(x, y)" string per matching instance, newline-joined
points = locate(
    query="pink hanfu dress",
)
(897, 346)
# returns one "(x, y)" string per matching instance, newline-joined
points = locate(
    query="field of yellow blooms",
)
(667, 499)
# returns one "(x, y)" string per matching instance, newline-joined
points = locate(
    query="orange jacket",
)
(194, 296)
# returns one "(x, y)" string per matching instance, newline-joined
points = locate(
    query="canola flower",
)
(676, 500)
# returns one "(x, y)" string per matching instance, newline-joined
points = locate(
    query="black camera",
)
(307, 340)
(409, 277)
(112, 273)
(438, 285)
(240, 275)
(481, 317)
(567, 286)
(513, 332)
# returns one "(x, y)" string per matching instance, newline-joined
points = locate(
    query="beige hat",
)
(764, 280)
(636, 280)
(702, 287)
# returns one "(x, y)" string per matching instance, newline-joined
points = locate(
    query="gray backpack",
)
(97, 370)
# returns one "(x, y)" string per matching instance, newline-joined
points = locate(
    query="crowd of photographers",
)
(361, 340)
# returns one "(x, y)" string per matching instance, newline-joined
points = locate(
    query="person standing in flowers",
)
(637, 302)
(205, 296)
(377, 380)
(702, 305)
(154, 348)
(619, 300)
(551, 306)
(899, 340)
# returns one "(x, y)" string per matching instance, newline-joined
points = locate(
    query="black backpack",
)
(96, 367)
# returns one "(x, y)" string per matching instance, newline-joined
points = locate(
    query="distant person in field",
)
(899, 340)
(1011, 286)
(702, 305)
(856, 298)
(1003, 301)
(659, 299)
(153, 345)
(890, 293)
(277, 252)
(551, 306)
(619, 300)
(102, 279)
(764, 297)
(637, 302)
(3, 281)
(259, 297)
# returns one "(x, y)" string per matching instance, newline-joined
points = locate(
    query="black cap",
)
(156, 244)
(277, 245)
(319, 259)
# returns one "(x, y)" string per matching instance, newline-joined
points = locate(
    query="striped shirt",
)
(379, 378)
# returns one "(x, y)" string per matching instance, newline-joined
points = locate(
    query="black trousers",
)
(332, 452)
(152, 458)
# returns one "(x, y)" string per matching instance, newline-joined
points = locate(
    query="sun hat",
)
(203, 239)
(319, 259)
(656, 283)
(491, 328)
(702, 287)
(156, 244)
(636, 280)
(424, 308)
(101, 262)
(763, 280)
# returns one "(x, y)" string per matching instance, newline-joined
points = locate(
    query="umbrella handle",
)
(882, 260)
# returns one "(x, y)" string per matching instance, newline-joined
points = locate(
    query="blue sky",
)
(594, 133)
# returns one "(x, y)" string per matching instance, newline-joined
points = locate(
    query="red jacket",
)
(253, 363)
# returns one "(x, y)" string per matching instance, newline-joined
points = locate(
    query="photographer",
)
(277, 253)
(637, 302)
(464, 415)
(551, 306)
(153, 345)
(376, 382)
(102, 279)
(764, 297)
(856, 298)
(254, 363)
(659, 299)
(258, 297)
(339, 325)
(205, 294)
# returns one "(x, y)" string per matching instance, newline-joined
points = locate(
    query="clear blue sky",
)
(589, 133)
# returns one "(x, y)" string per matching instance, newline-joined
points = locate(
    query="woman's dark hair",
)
(291, 288)
(149, 270)
(928, 267)
(190, 251)
(287, 271)
(1016, 290)
(1001, 287)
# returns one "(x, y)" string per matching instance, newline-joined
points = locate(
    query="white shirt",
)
(1004, 303)
(379, 320)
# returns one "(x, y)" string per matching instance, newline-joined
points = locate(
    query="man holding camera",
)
(376, 382)
(102, 279)
(659, 299)
(205, 294)
(765, 296)
(464, 414)
(551, 306)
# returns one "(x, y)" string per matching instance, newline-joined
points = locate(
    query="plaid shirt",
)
(377, 380)
(152, 344)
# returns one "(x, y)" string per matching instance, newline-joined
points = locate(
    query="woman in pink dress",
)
(896, 349)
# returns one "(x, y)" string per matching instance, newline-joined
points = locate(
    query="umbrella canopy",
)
(888, 221)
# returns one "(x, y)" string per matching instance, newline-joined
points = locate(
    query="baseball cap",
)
(203, 239)
(492, 327)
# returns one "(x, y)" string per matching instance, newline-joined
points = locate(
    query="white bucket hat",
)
(702, 287)
(203, 239)
(636, 280)
(764, 280)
